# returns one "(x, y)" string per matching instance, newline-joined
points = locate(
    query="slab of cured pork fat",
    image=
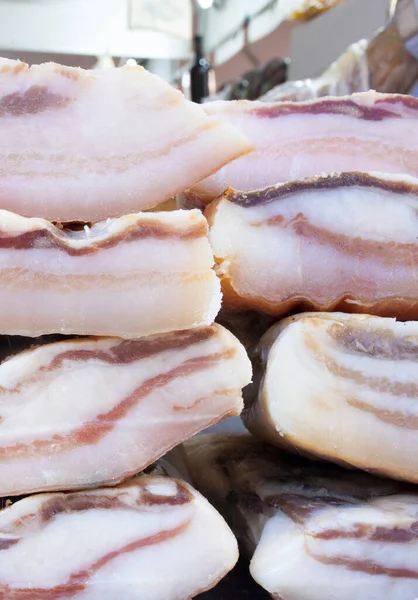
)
(342, 387)
(150, 538)
(132, 276)
(86, 412)
(342, 241)
(85, 145)
(293, 140)
(315, 531)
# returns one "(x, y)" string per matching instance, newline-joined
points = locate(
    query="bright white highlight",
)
(205, 4)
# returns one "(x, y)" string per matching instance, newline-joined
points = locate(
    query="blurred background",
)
(226, 48)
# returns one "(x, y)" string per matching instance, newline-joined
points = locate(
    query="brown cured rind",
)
(344, 486)
(320, 182)
(319, 484)
(405, 309)
(53, 238)
(343, 107)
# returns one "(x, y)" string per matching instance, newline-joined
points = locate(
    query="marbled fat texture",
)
(85, 145)
(342, 387)
(363, 132)
(89, 412)
(149, 538)
(136, 275)
(340, 241)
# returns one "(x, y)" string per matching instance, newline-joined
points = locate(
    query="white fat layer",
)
(399, 511)
(201, 552)
(96, 535)
(167, 256)
(67, 398)
(124, 306)
(179, 569)
(283, 565)
(273, 262)
(294, 146)
(162, 488)
(347, 211)
(316, 411)
(125, 140)
(133, 289)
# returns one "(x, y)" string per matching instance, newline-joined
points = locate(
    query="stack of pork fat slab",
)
(322, 216)
(81, 154)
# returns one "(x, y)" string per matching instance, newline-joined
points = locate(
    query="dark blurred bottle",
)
(199, 73)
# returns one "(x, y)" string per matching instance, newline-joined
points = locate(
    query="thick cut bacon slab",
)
(343, 387)
(362, 132)
(136, 275)
(90, 412)
(342, 241)
(150, 538)
(85, 145)
(316, 531)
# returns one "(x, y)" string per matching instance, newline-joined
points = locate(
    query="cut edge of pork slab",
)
(152, 537)
(342, 387)
(91, 412)
(133, 276)
(82, 145)
(368, 131)
(341, 241)
(313, 530)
